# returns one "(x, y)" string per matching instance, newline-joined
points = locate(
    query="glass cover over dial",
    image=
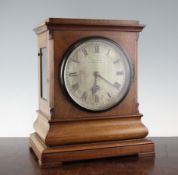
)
(96, 73)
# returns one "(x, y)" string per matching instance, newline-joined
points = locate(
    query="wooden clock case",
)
(64, 132)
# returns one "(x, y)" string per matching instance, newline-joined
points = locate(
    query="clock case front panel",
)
(110, 45)
(60, 122)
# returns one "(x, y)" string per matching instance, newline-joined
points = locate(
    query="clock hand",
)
(115, 85)
(95, 87)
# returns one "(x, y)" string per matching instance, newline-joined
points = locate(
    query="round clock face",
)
(96, 74)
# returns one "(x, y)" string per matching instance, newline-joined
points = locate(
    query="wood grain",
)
(55, 156)
(86, 131)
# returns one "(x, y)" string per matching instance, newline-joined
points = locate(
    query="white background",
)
(158, 57)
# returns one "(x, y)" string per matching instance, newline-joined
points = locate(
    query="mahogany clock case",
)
(65, 132)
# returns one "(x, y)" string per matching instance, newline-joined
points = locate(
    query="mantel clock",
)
(88, 91)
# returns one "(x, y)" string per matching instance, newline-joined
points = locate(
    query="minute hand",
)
(108, 82)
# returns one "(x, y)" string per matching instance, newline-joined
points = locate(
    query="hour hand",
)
(94, 89)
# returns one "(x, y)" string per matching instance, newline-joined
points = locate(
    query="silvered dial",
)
(96, 74)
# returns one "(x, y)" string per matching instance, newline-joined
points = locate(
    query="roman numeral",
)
(84, 96)
(117, 85)
(116, 61)
(75, 59)
(94, 89)
(72, 74)
(109, 95)
(97, 49)
(108, 52)
(119, 73)
(75, 86)
(96, 98)
(84, 51)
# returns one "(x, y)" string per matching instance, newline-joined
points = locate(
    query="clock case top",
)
(57, 35)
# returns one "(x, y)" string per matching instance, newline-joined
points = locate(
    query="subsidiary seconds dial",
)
(96, 73)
